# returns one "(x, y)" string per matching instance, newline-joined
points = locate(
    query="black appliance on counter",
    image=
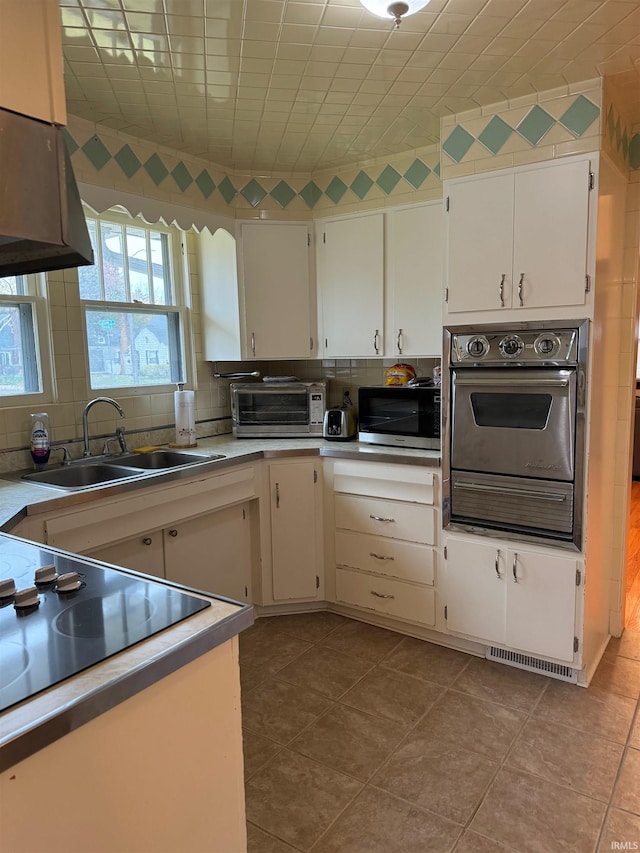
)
(60, 615)
(400, 416)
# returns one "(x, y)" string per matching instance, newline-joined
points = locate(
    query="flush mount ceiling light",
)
(395, 10)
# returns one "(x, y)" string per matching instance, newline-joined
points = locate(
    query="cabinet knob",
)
(520, 286)
(147, 540)
(253, 343)
(173, 532)
(514, 568)
(497, 565)
(381, 518)
(399, 342)
(376, 342)
(379, 556)
(501, 289)
(381, 594)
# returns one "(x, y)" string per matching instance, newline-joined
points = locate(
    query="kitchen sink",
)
(158, 459)
(81, 476)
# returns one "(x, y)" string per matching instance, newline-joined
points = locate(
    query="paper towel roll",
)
(185, 409)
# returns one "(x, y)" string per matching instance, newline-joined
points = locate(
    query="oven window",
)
(511, 410)
(392, 415)
(273, 409)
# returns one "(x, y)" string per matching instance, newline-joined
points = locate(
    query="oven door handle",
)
(513, 384)
(507, 490)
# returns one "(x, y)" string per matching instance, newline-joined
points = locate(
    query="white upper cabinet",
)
(519, 239)
(350, 255)
(31, 78)
(257, 302)
(275, 273)
(414, 281)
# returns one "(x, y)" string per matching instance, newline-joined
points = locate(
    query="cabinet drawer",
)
(391, 557)
(395, 598)
(395, 519)
(397, 482)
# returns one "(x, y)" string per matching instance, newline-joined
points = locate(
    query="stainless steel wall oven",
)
(513, 414)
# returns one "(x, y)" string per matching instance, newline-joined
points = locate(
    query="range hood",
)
(42, 225)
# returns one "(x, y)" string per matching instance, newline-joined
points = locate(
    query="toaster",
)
(340, 424)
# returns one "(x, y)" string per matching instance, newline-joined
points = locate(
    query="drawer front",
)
(394, 558)
(395, 598)
(397, 482)
(398, 520)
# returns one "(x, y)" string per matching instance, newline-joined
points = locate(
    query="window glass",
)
(19, 363)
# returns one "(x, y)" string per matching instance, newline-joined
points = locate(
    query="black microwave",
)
(400, 415)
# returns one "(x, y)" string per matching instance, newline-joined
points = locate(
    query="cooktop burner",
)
(54, 629)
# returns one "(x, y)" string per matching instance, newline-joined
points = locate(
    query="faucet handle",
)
(121, 439)
(66, 459)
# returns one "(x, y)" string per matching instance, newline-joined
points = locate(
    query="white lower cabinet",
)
(384, 547)
(211, 552)
(296, 530)
(512, 596)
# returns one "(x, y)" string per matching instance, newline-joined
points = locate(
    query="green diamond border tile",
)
(336, 189)
(127, 160)
(155, 168)
(535, 125)
(253, 192)
(388, 179)
(361, 184)
(283, 194)
(495, 134)
(310, 194)
(458, 143)
(227, 189)
(96, 152)
(72, 145)
(581, 115)
(182, 176)
(436, 169)
(205, 183)
(417, 173)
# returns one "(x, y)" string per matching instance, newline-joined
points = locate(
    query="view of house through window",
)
(19, 363)
(130, 305)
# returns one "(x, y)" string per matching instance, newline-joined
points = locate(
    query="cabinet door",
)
(212, 552)
(295, 516)
(276, 282)
(480, 243)
(476, 590)
(350, 279)
(414, 285)
(541, 602)
(142, 553)
(550, 235)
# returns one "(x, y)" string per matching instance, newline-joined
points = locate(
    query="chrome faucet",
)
(85, 414)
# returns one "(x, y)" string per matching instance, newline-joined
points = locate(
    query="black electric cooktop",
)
(72, 616)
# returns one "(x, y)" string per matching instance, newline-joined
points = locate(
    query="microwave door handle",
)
(510, 382)
(506, 490)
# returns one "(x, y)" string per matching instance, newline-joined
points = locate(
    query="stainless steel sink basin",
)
(81, 476)
(159, 459)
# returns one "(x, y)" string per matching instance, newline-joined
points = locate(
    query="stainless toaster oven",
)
(278, 409)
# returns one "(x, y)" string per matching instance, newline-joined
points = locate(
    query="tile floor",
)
(361, 740)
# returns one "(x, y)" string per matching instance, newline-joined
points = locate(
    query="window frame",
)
(180, 307)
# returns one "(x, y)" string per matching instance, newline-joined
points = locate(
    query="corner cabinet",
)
(349, 257)
(386, 526)
(295, 507)
(515, 597)
(519, 239)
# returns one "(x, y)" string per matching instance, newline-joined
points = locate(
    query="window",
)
(132, 300)
(20, 371)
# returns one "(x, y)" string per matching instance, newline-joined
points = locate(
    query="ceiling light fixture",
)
(395, 9)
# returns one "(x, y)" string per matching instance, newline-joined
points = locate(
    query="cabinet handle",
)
(520, 286)
(277, 495)
(173, 532)
(399, 342)
(253, 342)
(379, 556)
(501, 289)
(514, 568)
(376, 342)
(380, 594)
(497, 565)
(147, 540)
(380, 518)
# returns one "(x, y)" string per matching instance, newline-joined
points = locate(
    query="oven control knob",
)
(26, 598)
(547, 345)
(477, 346)
(511, 346)
(7, 588)
(69, 582)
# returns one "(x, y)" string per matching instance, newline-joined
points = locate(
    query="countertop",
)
(19, 499)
